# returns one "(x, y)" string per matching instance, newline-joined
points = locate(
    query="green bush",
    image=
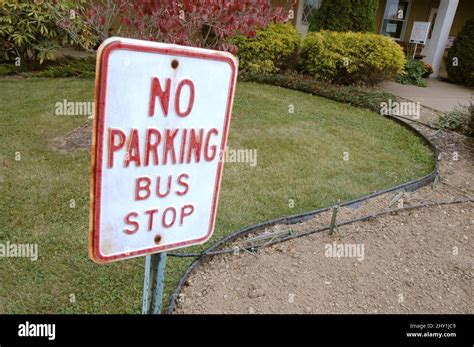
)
(355, 95)
(345, 15)
(363, 15)
(270, 50)
(461, 119)
(333, 15)
(460, 64)
(348, 57)
(28, 31)
(70, 67)
(7, 69)
(413, 74)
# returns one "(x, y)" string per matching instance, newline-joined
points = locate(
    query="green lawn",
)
(300, 157)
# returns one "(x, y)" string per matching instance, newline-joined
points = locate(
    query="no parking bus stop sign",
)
(161, 125)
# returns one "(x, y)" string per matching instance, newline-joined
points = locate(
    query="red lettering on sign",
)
(135, 223)
(163, 220)
(169, 145)
(195, 145)
(133, 151)
(152, 146)
(183, 184)
(142, 184)
(168, 188)
(178, 95)
(150, 214)
(206, 145)
(113, 147)
(164, 95)
(183, 146)
(186, 210)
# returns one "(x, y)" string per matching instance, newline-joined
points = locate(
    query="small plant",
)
(414, 71)
(428, 70)
(461, 120)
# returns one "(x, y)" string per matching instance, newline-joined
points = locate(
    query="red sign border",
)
(98, 132)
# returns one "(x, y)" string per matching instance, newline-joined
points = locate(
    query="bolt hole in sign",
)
(161, 125)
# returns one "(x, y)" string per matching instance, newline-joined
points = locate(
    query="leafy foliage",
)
(460, 64)
(354, 95)
(70, 67)
(333, 15)
(348, 57)
(345, 15)
(461, 119)
(28, 31)
(269, 50)
(200, 23)
(414, 71)
(363, 15)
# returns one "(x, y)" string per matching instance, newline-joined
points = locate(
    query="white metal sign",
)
(161, 125)
(419, 32)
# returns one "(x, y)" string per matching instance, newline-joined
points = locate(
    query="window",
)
(309, 7)
(395, 18)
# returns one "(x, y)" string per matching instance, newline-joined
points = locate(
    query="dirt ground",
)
(79, 138)
(415, 261)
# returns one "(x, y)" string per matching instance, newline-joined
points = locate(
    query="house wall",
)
(420, 11)
(379, 15)
(464, 12)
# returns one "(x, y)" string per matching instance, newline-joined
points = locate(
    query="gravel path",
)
(415, 261)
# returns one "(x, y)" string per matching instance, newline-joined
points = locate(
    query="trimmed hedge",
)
(349, 57)
(270, 50)
(354, 95)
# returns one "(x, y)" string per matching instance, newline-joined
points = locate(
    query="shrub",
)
(460, 64)
(470, 124)
(28, 31)
(7, 69)
(348, 58)
(345, 15)
(354, 95)
(269, 51)
(413, 74)
(333, 15)
(363, 15)
(202, 23)
(70, 67)
(461, 119)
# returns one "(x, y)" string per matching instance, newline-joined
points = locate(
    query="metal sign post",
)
(154, 283)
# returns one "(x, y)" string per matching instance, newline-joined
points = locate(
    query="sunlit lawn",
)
(300, 156)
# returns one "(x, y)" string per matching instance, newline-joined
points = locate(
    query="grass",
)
(300, 157)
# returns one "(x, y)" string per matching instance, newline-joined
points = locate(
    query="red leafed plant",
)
(201, 23)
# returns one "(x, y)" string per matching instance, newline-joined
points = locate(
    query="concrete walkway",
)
(438, 95)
